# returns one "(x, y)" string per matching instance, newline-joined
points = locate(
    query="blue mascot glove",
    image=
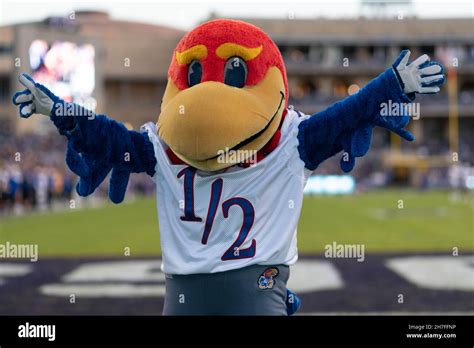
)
(421, 76)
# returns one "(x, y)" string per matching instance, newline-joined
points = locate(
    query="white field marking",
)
(13, 270)
(103, 290)
(110, 279)
(117, 271)
(314, 275)
(383, 214)
(436, 272)
(114, 279)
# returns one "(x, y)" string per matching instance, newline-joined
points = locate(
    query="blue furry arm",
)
(98, 145)
(347, 125)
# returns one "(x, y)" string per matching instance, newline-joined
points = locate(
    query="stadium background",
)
(409, 205)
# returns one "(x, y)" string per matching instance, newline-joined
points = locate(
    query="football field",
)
(385, 221)
(409, 238)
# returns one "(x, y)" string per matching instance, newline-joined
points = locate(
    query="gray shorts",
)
(253, 290)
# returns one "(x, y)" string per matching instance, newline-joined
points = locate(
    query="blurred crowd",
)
(32, 172)
(34, 176)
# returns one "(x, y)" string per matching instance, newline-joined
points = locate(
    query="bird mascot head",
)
(227, 91)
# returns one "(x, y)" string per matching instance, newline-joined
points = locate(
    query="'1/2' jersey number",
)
(234, 252)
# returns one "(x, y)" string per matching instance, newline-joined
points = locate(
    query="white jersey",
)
(214, 222)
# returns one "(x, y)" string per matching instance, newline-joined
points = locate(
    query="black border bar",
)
(155, 330)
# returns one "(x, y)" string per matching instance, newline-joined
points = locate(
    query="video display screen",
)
(67, 68)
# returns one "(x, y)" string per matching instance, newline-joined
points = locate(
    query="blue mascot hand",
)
(358, 143)
(90, 171)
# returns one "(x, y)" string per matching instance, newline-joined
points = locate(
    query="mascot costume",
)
(230, 161)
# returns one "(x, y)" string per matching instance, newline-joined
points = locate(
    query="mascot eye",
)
(194, 73)
(235, 72)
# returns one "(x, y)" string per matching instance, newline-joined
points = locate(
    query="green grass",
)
(429, 221)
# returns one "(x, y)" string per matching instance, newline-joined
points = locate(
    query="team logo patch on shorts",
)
(266, 279)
